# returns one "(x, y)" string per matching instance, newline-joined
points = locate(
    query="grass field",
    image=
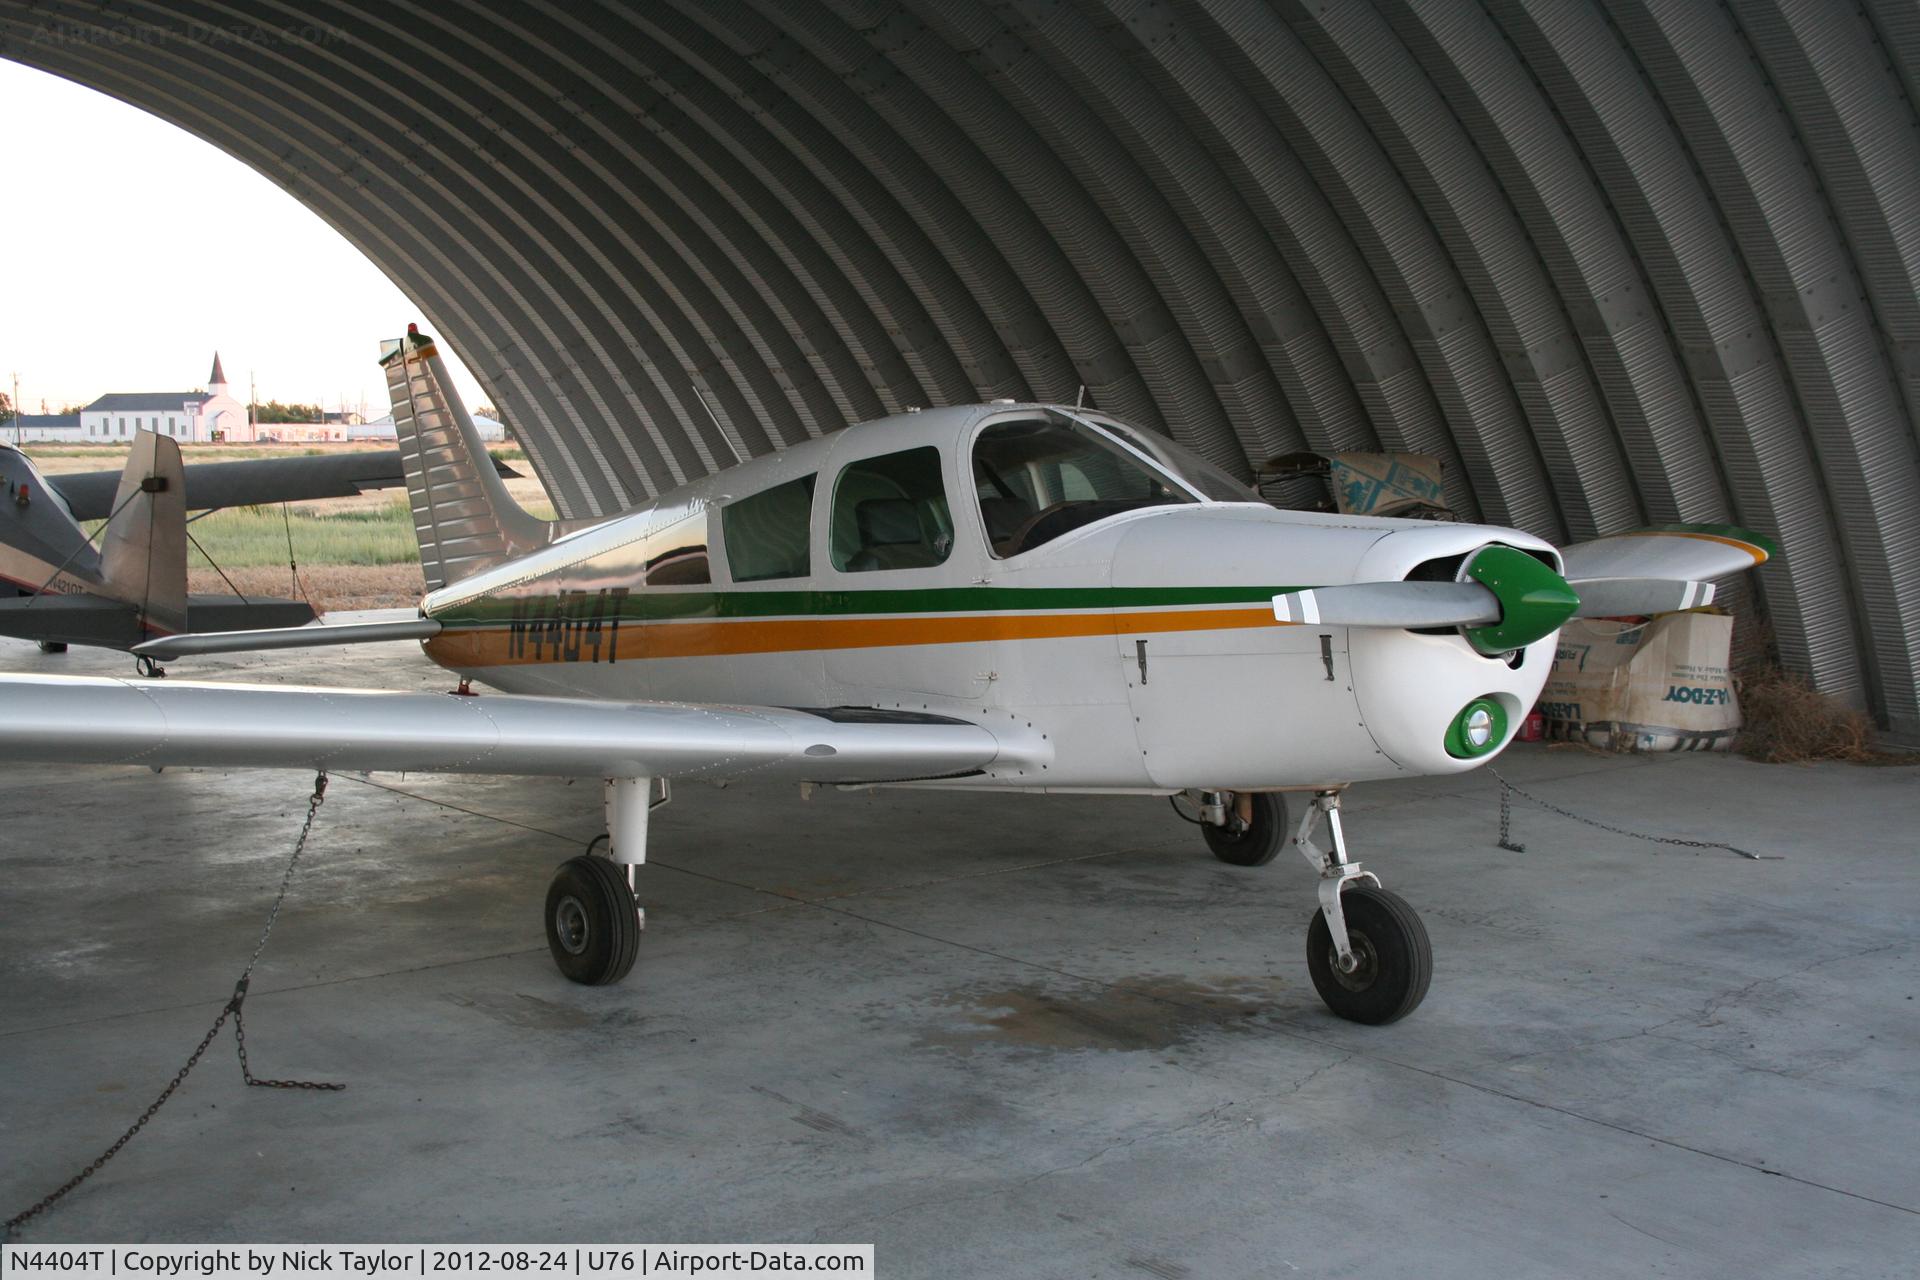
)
(245, 536)
(352, 553)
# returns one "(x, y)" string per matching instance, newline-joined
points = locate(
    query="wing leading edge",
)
(212, 486)
(94, 720)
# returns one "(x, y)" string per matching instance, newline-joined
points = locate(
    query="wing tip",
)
(1758, 545)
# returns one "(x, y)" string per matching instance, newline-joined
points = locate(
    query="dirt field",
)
(328, 586)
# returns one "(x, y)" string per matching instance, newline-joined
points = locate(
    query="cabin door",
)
(898, 626)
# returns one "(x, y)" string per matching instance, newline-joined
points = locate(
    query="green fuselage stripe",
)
(642, 604)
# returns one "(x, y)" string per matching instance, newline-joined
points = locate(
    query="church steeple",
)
(217, 380)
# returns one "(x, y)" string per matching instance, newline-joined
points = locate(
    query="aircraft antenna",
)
(734, 448)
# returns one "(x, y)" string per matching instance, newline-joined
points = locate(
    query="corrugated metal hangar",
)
(1617, 262)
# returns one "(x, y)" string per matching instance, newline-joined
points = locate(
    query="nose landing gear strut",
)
(1367, 951)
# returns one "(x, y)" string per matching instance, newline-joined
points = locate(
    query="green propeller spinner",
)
(1534, 600)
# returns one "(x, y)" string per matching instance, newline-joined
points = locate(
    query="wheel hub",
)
(570, 925)
(1366, 962)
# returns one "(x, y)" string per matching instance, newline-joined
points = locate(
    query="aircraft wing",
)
(92, 720)
(1672, 552)
(80, 618)
(214, 485)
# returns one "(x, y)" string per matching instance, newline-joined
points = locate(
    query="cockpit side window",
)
(891, 512)
(1037, 480)
(767, 533)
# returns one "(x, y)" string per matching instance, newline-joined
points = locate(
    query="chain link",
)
(230, 1010)
(1507, 789)
(1506, 840)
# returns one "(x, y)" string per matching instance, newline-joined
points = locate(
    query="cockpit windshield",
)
(1039, 479)
(1214, 483)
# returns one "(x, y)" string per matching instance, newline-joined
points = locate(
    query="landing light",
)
(1478, 729)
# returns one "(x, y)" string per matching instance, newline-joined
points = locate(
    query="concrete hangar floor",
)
(995, 1036)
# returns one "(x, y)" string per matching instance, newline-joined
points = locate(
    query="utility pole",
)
(253, 401)
(17, 437)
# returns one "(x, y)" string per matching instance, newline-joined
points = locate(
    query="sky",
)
(116, 276)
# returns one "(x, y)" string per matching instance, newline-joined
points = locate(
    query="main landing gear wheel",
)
(1393, 958)
(53, 646)
(1254, 843)
(593, 923)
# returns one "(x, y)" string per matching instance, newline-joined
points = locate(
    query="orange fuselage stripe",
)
(494, 646)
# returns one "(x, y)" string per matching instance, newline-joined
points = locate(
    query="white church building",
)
(185, 415)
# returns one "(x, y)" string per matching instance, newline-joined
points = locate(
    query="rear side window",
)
(891, 512)
(767, 533)
(677, 556)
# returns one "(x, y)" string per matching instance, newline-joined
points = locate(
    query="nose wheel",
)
(1367, 951)
(1392, 958)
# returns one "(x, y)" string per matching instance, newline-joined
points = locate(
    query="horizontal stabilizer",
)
(1676, 552)
(1390, 604)
(1629, 597)
(72, 619)
(309, 637)
(90, 720)
(114, 624)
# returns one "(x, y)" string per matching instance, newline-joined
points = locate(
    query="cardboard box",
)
(1653, 686)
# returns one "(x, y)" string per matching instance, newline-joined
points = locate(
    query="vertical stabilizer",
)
(463, 516)
(143, 549)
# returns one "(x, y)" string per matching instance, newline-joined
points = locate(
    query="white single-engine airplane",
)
(992, 597)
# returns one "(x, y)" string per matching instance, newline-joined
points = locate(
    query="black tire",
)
(593, 925)
(1255, 844)
(1396, 958)
(53, 646)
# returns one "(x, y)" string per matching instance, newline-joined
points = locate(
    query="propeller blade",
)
(1390, 604)
(1621, 597)
(1510, 599)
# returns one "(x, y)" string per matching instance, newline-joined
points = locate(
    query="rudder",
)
(463, 517)
(143, 548)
